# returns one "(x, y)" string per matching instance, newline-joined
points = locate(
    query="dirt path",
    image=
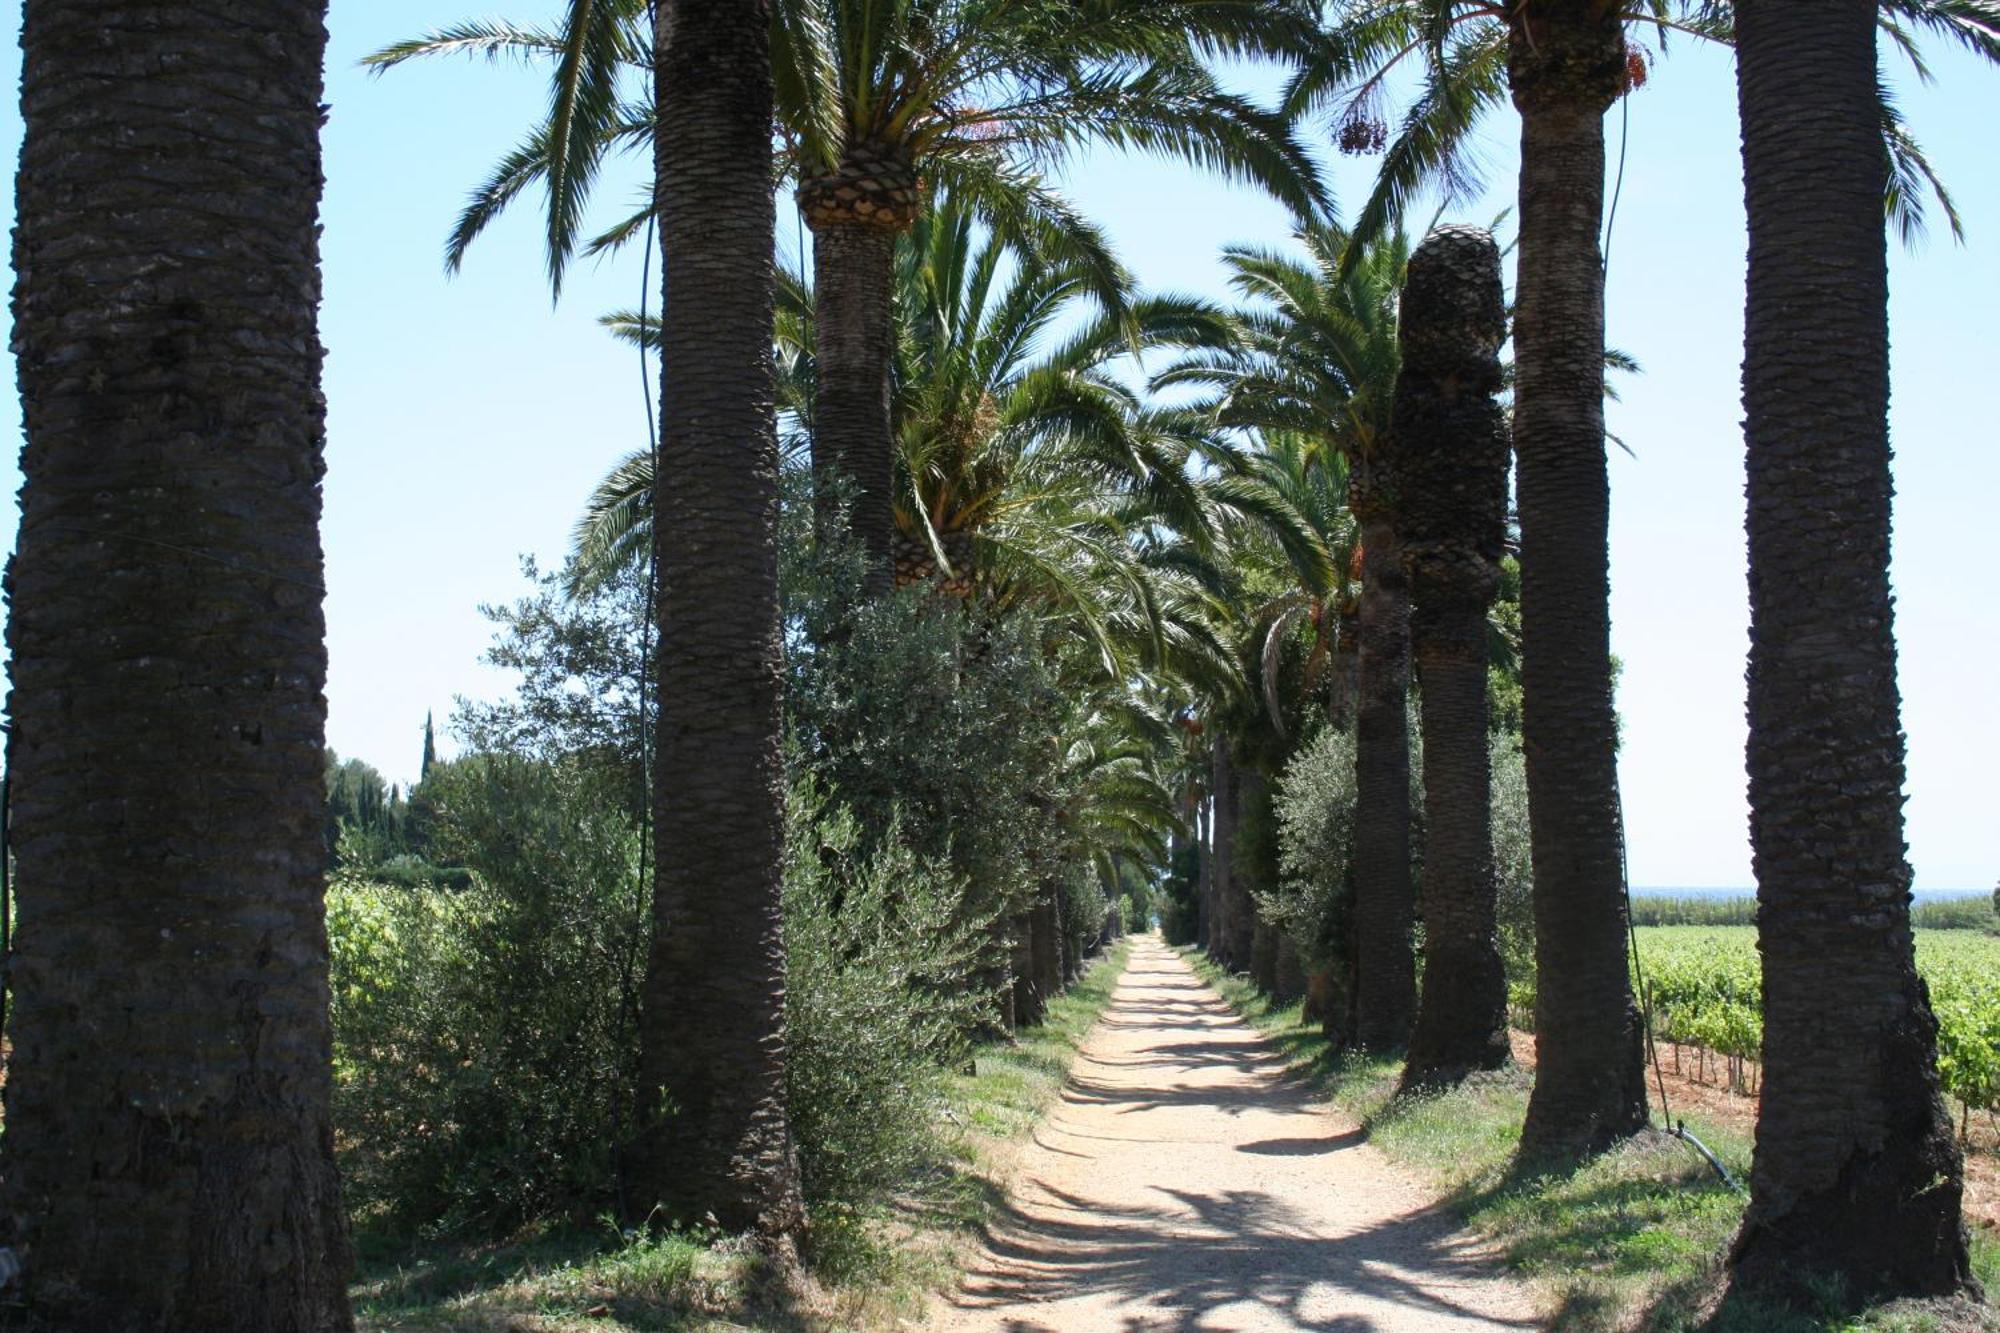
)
(1182, 1184)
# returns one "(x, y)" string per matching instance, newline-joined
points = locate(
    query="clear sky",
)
(468, 419)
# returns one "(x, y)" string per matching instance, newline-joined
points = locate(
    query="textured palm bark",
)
(1069, 950)
(1344, 664)
(1246, 789)
(1048, 960)
(1856, 1172)
(1023, 1007)
(1204, 876)
(1289, 982)
(1566, 61)
(712, 1046)
(853, 443)
(1264, 956)
(1257, 869)
(1451, 468)
(168, 1159)
(1383, 998)
(1222, 933)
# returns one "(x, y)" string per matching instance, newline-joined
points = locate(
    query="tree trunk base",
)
(1865, 1236)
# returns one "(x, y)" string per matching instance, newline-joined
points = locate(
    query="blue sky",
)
(468, 419)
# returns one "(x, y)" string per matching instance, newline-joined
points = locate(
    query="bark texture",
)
(1222, 873)
(168, 1155)
(1566, 62)
(1024, 1008)
(1290, 972)
(1856, 1171)
(1046, 923)
(1384, 994)
(1264, 956)
(712, 1048)
(1247, 791)
(1204, 876)
(1451, 467)
(856, 212)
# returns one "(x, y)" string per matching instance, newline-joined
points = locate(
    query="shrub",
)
(938, 716)
(879, 946)
(1315, 809)
(1084, 909)
(483, 1035)
(1513, 867)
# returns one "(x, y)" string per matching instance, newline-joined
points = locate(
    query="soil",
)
(1185, 1183)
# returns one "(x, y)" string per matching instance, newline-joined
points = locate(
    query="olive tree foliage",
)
(1514, 875)
(929, 714)
(1315, 810)
(1315, 806)
(482, 1035)
(484, 1027)
(876, 1007)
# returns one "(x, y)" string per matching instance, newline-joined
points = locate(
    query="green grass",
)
(1013, 1083)
(1631, 1239)
(555, 1282)
(868, 1267)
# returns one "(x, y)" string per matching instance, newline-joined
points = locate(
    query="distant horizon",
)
(1750, 891)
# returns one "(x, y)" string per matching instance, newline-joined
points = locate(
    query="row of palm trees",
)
(168, 1156)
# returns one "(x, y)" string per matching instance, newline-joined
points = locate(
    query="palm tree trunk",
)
(712, 1046)
(1384, 997)
(1342, 676)
(1246, 786)
(1856, 1172)
(1067, 956)
(853, 441)
(1222, 934)
(1256, 861)
(1289, 981)
(1451, 466)
(1566, 61)
(1204, 851)
(1025, 1008)
(1047, 924)
(168, 1157)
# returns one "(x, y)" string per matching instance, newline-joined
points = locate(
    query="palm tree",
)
(168, 1160)
(1562, 63)
(1317, 360)
(1856, 1172)
(875, 96)
(876, 93)
(1026, 465)
(712, 1050)
(1451, 464)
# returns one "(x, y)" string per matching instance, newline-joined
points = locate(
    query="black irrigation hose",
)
(1675, 1128)
(1685, 1135)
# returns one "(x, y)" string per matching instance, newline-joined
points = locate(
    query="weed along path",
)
(1183, 1184)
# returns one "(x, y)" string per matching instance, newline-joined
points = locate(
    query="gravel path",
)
(1183, 1184)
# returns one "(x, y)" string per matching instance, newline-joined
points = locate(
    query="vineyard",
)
(1703, 983)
